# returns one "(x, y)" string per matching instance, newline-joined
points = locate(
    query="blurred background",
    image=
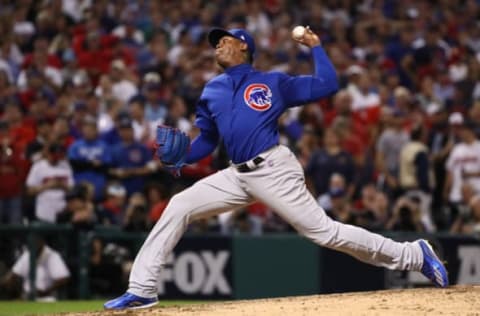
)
(83, 85)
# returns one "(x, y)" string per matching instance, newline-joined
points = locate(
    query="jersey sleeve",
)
(202, 146)
(73, 152)
(33, 178)
(204, 120)
(297, 90)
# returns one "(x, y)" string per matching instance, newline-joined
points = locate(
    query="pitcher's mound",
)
(457, 300)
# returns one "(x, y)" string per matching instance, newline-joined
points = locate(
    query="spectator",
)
(336, 185)
(363, 96)
(111, 211)
(143, 131)
(441, 139)
(51, 272)
(468, 221)
(35, 148)
(389, 146)
(306, 145)
(12, 174)
(93, 52)
(79, 211)
(154, 55)
(47, 65)
(341, 209)
(372, 210)
(415, 174)
(8, 92)
(414, 166)
(20, 130)
(406, 216)
(90, 157)
(61, 132)
(155, 107)
(118, 84)
(131, 160)
(128, 33)
(157, 197)
(463, 166)
(48, 180)
(136, 214)
(177, 112)
(106, 120)
(11, 58)
(329, 160)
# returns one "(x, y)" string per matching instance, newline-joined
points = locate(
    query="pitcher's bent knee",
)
(179, 206)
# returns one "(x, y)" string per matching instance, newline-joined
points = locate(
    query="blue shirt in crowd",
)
(81, 154)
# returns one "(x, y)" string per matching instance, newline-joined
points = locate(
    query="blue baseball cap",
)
(216, 34)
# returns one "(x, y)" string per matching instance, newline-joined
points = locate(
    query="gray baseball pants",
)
(278, 182)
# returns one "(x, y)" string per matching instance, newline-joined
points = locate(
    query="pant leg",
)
(210, 196)
(280, 184)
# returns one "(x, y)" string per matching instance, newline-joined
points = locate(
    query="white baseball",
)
(298, 32)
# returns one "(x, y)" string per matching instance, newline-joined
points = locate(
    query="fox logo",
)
(258, 96)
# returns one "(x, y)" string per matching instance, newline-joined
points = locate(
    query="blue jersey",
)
(81, 154)
(242, 106)
(135, 155)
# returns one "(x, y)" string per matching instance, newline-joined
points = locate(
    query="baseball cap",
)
(116, 189)
(118, 64)
(401, 92)
(456, 118)
(125, 122)
(216, 34)
(354, 70)
(152, 80)
(434, 108)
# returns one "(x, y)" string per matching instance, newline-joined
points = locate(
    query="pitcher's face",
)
(230, 52)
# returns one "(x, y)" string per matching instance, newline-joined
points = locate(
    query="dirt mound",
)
(458, 300)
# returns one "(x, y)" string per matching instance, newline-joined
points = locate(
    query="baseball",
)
(298, 32)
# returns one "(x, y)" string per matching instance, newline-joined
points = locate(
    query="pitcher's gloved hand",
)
(171, 147)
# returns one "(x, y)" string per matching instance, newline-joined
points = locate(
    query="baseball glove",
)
(172, 146)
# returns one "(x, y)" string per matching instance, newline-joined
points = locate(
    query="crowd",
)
(83, 85)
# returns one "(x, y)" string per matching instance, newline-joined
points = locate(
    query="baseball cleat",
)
(432, 267)
(130, 301)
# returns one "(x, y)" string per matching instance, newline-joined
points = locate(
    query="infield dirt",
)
(457, 300)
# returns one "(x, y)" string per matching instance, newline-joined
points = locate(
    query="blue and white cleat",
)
(432, 267)
(130, 301)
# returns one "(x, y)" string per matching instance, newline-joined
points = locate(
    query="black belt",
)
(245, 168)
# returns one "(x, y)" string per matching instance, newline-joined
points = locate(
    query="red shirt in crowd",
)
(13, 167)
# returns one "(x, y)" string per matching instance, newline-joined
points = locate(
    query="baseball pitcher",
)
(242, 107)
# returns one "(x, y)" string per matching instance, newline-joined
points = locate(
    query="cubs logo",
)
(258, 96)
